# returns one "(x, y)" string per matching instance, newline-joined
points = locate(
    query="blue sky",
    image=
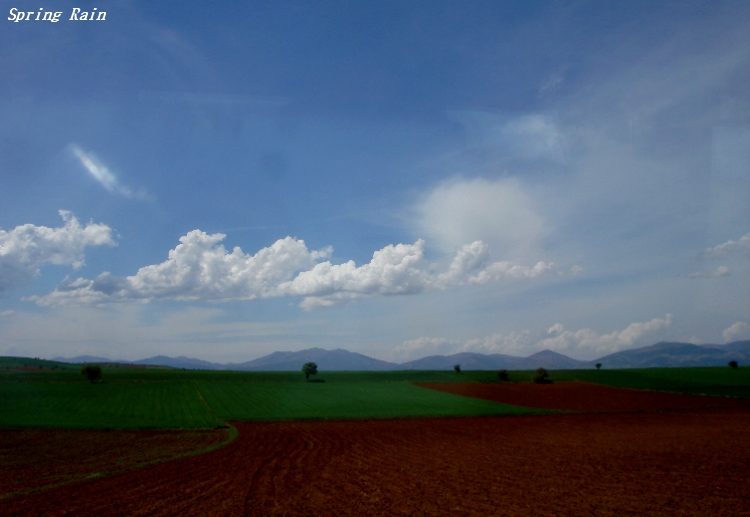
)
(395, 178)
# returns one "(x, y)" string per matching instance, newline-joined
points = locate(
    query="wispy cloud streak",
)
(105, 177)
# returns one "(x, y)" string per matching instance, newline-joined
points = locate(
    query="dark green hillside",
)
(28, 363)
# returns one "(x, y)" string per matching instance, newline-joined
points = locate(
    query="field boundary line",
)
(232, 433)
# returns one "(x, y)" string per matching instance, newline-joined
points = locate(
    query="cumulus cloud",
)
(588, 341)
(729, 247)
(26, 248)
(424, 347)
(514, 343)
(499, 213)
(200, 268)
(736, 331)
(580, 343)
(719, 272)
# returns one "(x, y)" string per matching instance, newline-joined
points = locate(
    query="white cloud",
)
(515, 343)
(197, 269)
(499, 213)
(200, 268)
(26, 248)
(719, 272)
(587, 341)
(105, 177)
(500, 270)
(736, 331)
(529, 136)
(424, 347)
(583, 343)
(729, 247)
(399, 269)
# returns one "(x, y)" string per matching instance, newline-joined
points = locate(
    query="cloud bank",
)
(499, 212)
(729, 247)
(719, 272)
(588, 341)
(26, 248)
(582, 343)
(739, 330)
(200, 268)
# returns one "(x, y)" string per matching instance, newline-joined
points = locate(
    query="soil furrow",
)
(669, 462)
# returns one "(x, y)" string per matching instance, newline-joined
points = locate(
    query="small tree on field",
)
(457, 367)
(541, 376)
(598, 366)
(733, 365)
(92, 371)
(309, 369)
(503, 375)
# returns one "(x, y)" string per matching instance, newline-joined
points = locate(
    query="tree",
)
(733, 365)
(92, 371)
(503, 374)
(598, 365)
(541, 376)
(309, 369)
(457, 367)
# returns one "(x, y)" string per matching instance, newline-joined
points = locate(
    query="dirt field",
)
(582, 396)
(681, 462)
(35, 458)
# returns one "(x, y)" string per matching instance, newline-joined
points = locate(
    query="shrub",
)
(733, 365)
(503, 375)
(457, 367)
(598, 365)
(92, 371)
(541, 376)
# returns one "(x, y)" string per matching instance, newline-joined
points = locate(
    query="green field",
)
(171, 398)
(342, 400)
(104, 406)
(58, 396)
(716, 381)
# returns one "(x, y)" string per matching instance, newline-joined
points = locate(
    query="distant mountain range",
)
(658, 355)
(679, 354)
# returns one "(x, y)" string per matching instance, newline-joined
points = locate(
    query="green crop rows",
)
(58, 396)
(275, 401)
(715, 381)
(105, 405)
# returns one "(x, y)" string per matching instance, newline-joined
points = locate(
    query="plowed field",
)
(582, 396)
(682, 462)
(35, 458)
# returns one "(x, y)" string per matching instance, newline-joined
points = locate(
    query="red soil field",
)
(680, 462)
(582, 396)
(31, 459)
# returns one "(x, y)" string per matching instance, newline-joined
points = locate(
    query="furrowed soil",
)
(677, 462)
(31, 459)
(582, 396)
